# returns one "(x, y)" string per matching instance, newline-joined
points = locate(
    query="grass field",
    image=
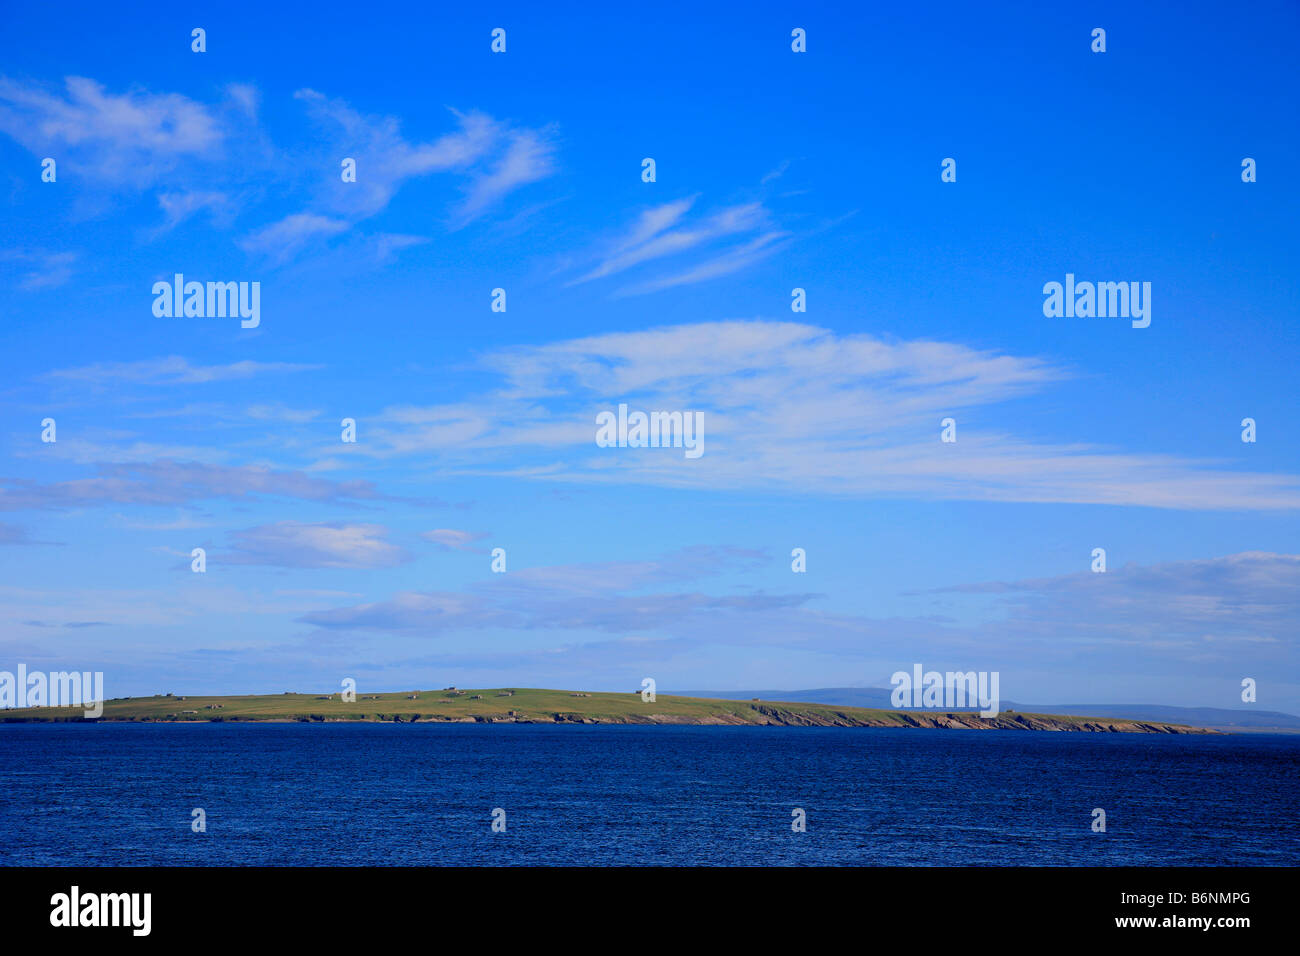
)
(533, 705)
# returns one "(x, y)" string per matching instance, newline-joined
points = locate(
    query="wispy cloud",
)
(129, 138)
(39, 269)
(776, 173)
(600, 596)
(795, 407)
(387, 243)
(386, 159)
(216, 158)
(491, 157)
(293, 544)
(282, 240)
(180, 206)
(529, 157)
(1199, 609)
(733, 260)
(144, 607)
(656, 234)
(73, 624)
(450, 539)
(172, 370)
(170, 482)
(12, 534)
(279, 412)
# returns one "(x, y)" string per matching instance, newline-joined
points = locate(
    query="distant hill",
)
(1218, 718)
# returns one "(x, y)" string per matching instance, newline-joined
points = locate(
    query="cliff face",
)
(965, 721)
(787, 715)
(774, 715)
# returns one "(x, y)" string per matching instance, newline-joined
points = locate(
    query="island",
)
(540, 706)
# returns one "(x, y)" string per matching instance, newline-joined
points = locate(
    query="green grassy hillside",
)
(532, 705)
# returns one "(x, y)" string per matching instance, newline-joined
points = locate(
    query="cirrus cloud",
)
(295, 544)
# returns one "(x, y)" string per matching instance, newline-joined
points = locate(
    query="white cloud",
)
(1201, 609)
(385, 159)
(294, 544)
(733, 260)
(452, 540)
(279, 412)
(281, 240)
(651, 237)
(217, 158)
(776, 173)
(797, 408)
(172, 370)
(529, 157)
(128, 138)
(40, 269)
(600, 596)
(386, 243)
(180, 206)
(172, 483)
(494, 157)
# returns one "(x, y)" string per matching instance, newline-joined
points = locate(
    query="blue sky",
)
(475, 429)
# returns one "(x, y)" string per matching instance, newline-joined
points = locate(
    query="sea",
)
(335, 794)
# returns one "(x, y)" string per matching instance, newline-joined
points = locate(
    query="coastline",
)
(544, 706)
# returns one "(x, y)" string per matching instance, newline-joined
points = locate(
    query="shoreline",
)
(556, 707)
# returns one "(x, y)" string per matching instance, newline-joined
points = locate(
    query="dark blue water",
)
(337, 794)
